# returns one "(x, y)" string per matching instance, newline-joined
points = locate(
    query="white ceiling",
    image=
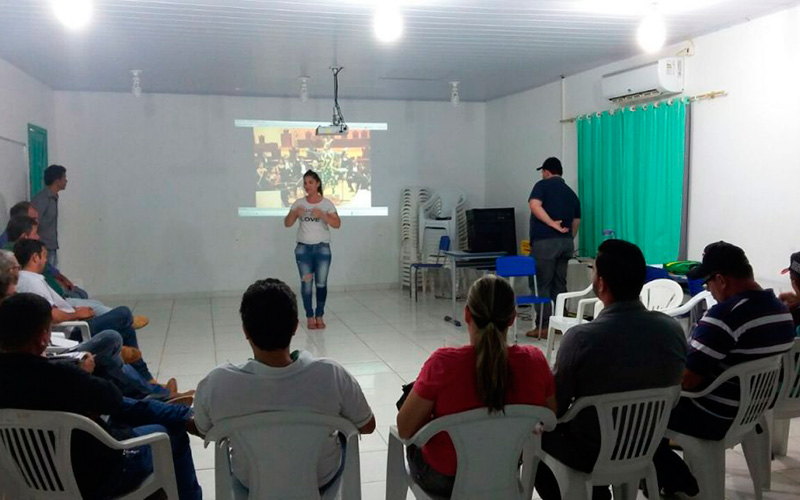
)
(261, 47)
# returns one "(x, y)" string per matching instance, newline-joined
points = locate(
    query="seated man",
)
(278, 378)
(108, 353)
(626, 348)
(792, 299)
(24, 227)
(747, 323)
(30, 382)
(26, 208)
(31, 255)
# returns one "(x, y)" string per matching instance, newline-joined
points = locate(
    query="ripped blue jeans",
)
(313, 262)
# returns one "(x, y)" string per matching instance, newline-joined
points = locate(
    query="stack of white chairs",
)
(411, 199)
(444, 213)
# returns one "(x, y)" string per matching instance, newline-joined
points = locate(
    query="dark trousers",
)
(147, 417)
(428, 478)
(573, 452)
(552, 258)
(106, 346)
(120, 319)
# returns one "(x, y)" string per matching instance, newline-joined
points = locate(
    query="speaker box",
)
(492, 230)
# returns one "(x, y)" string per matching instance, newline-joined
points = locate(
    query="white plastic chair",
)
(559, 319)
(661, 294)
(36, 463)
(281, 451)
(632, 425)
(440, 212)
(787, 405)
(758, 385)
(688, 307)
(68, 326)
(488, 448)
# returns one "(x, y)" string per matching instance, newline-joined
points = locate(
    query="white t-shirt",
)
(319, 385)
(312, 230)
(35, 283)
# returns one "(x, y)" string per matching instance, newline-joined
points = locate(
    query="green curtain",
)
(630, 178)
(37, 157)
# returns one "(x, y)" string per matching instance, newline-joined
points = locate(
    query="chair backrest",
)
(758, 386)
(488, 448)
(515, 265)
(632, 425)
(35, 452)
(281, 449)
(788, 403)
(661, 294)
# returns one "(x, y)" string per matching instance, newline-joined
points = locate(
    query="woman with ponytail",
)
(486, 373)
(313, 251)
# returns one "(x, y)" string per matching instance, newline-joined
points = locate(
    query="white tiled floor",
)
(382, 339)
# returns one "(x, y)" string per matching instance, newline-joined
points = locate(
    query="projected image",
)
(281, 155)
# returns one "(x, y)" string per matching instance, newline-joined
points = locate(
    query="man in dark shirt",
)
(555, 218)
(29, 381)
(626, 348)
(748, 323)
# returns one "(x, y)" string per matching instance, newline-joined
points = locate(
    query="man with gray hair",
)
(9, 273)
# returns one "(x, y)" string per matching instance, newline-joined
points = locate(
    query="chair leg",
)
(396, 476)
(756, 453)
(626, 491)
(551, 342)
(780, 436)
(706, 460)
(651, 481)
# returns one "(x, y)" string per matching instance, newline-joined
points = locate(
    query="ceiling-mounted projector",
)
(337, 126)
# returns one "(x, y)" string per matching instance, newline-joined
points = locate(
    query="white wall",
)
(155, 183)
(745, 147)
(23, 100)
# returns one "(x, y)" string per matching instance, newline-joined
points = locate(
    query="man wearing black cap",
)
(555, 218)
(747, 323)
(792, 299)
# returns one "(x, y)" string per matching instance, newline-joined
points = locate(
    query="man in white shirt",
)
(280, 379)
(32, 257)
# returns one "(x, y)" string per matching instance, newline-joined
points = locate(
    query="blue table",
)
(460, 259)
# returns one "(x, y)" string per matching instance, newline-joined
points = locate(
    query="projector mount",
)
(338, 125)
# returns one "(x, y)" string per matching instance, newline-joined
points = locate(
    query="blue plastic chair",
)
(444, 245)
(519, 265)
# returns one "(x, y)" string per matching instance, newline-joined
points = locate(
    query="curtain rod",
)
(702, 97)
(13, 141)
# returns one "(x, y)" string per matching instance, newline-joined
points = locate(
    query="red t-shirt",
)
(448, 379)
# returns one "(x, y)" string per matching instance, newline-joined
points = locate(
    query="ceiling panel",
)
(261, 47)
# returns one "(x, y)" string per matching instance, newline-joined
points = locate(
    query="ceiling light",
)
(136, 82)
(388, 23)
(454, 97)
(652, 33)
(74, 14)
(304, 88)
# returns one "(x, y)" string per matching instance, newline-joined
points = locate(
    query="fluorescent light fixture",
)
(74, 14)
(652, 33)
(642, 7)
(388, 23)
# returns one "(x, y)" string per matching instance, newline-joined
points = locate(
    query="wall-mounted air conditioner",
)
(650, 81)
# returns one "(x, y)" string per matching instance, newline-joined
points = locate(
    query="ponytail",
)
(491, 305)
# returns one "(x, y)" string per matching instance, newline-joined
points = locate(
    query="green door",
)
(37, 157)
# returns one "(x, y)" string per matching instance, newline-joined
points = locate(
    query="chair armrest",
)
(582, 304)
(83, 326)
(561, 299)
(687, 307)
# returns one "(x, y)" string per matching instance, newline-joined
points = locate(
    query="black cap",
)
(552, 165)
(721, 258)
(794, 264)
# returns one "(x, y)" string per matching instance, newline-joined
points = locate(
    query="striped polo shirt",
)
(746, 327)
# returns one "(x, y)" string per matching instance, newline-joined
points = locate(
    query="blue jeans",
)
(147, 417)
(313, 262)
(120, 319)
(76, 293)
(106, 347)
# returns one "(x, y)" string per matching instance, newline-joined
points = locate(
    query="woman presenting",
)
(313, 250)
